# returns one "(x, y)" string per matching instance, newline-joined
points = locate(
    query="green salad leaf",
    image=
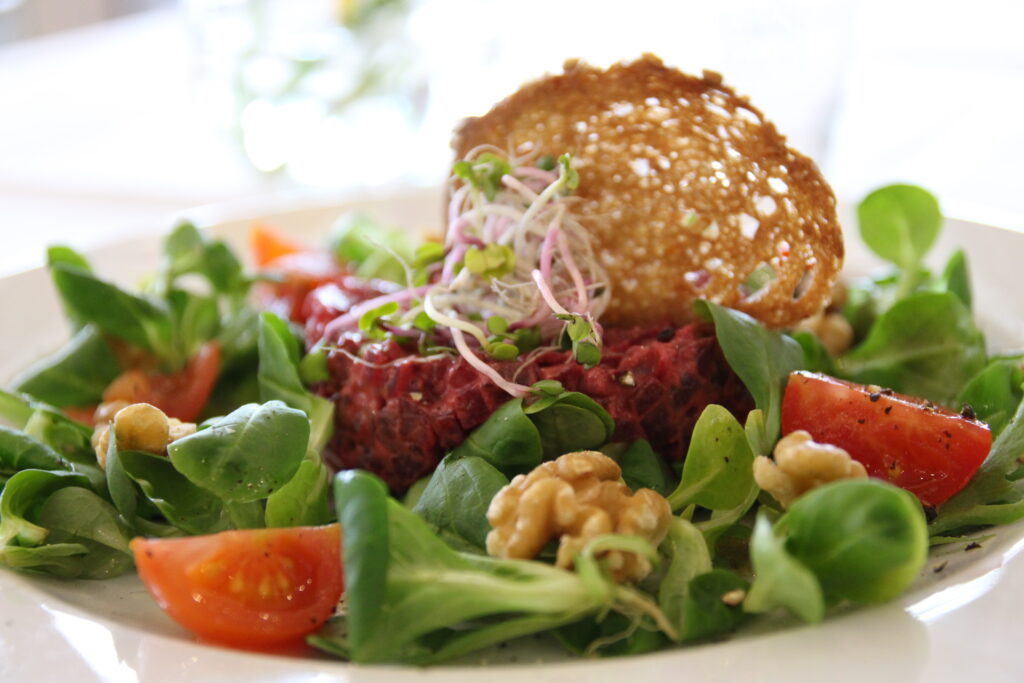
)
(713, 605)
(457, 497)
(280, 378)
(76, 516)
(956, 278)
(995, 392)
(861, 540)
(570, 421)
(611, 635)
(926, 345)
(303, 501)
(183, 504)
(411, 595)
(186, 251)
(19, 451)
(141, 321)
(991, 497)
(900, 223)
(24, 493)
(63, 255)
(716, 471)
(762, 358)
(687, 557)
(375, 250)
(508, 440)
(865, 540)
(76, 375)
(247, 454)
(642, 467)
(780, 580)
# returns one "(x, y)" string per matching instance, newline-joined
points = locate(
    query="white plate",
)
(960, 623)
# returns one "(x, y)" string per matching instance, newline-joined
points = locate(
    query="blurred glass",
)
(308, 86)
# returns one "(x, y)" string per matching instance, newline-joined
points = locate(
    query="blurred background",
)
(116, 114)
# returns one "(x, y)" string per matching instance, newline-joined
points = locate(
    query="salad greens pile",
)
(420, 586)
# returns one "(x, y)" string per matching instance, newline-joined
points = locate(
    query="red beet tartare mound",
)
(398, 412)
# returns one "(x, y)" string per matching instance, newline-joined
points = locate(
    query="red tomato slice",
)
(930, 451)
(181, 394)
(249, 588)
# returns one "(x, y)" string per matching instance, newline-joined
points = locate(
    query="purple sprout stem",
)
(547, 294)
(453, 258)
(547, 249)
(455, 204)
(513, 183)
(501, 227)
(582, 301)
(516, 390)
(350, 320)
(547, 177)
(457, 232)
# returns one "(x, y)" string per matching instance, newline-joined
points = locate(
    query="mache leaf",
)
(247, 454)
(456, 499)
(780, 581)
(185, 505)
(140, 321)
(717, 470)
(303, 500)
(762, 358)
(926, 345)
(508, 440)
(900, 223)
(995, 392)
(76, 375)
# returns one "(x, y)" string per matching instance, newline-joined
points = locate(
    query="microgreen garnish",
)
(484, 174)
(581, 337)
(516, 270)
(569, 175)
(493, 261)
(497, 325)
(428, 253)
(503, 351)
(372, 321)
(424, 322)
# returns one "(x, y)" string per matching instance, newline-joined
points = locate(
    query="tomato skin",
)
(247, 588)
(180, 394)
(268, 243)
(930, 451)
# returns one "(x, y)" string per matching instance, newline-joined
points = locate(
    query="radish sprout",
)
(516, 270)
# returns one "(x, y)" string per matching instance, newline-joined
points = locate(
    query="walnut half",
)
(576, 498)
(802, 464)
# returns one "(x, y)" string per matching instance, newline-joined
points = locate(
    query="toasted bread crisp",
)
(688, 191)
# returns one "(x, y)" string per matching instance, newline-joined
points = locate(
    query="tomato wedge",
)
(249, 588)
(181, 394)
(930, 451)
(268, 244)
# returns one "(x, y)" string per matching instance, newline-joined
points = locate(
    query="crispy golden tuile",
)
(686, 188)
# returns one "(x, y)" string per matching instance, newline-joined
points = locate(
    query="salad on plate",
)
(577, 413)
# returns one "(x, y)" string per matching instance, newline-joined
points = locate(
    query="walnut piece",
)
(138, 426)
(576, 498)
(802, 464)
